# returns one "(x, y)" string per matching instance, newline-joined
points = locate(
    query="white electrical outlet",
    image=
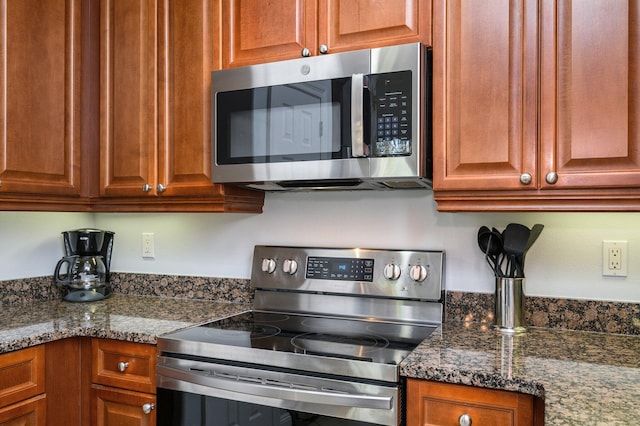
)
(614, 258)
(148, 245)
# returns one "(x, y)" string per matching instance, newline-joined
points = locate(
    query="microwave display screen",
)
(292, 122)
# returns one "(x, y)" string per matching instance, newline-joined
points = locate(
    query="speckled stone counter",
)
(584, 378)
(124, 317)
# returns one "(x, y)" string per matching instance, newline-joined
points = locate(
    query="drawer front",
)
(443, 404)
(31, 412)
(124, 365)
(438, 412)
(21, 374)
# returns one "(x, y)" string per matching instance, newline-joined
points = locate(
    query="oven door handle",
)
(272, 389)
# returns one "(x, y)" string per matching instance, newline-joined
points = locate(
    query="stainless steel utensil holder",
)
(509, 311)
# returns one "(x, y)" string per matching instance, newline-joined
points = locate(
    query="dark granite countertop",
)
(584, 377)
(134, 318)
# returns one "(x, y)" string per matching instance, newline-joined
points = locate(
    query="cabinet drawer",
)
(124, 365)
(117, 407)
(31, 412)
(443, 404)
(21, 374)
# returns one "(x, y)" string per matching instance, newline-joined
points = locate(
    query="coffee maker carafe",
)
(87, 260)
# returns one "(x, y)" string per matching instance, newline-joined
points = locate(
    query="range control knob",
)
(418, 273)
(268, 265)
(290, 266)
(392, 271)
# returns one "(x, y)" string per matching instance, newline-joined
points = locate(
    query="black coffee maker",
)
(87, 260)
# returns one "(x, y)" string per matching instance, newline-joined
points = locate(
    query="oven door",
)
(203, 393)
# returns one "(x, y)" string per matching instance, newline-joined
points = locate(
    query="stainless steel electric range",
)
(322, 345)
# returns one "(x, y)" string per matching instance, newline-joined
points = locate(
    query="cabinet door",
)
(128, 114)
(40, 93)
(187, 53)
(118, 407)
(484, 94)
(257, 31)
(442, 404)
(31, 412)
(360, 24)
(21, 374)
(590, 113)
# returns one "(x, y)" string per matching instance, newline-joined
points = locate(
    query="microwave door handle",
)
(357, 112)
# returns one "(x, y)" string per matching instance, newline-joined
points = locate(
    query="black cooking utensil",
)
(536, 230)
(491, 246)
(516, 237)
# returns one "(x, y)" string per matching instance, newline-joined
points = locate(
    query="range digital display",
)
(340, 268)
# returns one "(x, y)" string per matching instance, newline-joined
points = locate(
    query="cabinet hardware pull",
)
(161, 188)
(464, 420)
(323, 49)
(122, 365)
(146, 187)
(551, 178)
(305, 52)
(525, 178)
(146, 408)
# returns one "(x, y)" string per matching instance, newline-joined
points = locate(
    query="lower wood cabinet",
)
(123, 376)
(443, 404)
(22, 387)
(112, 406)
(31, 412)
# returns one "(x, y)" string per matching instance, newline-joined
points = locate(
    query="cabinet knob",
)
(146, 187)
(464, 420)
(146, 408)
(323, 48)
(122, 365)
(0, 184)
(305, 52)
(525, 178)
(161, 188)
(551, 178)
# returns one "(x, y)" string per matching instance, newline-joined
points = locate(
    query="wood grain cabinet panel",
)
(155, 121)
(258, 31)
(21, 374)
(123, 376)
(443, 404)
(545, 116)
(119, 407)
(590, 94)
(22, 387)
(40, 96)
(31, 412)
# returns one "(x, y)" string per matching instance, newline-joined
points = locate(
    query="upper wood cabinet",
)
(41, 65)
(155, 109)
(257, 31)
(535, 105)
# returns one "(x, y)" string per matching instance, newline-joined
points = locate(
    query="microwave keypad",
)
(392, 106)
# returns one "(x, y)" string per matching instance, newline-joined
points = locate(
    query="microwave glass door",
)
(285, 123)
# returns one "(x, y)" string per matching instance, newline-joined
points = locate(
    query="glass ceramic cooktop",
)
(354, 339)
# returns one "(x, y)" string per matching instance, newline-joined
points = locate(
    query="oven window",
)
(293, 122)
(177, 408)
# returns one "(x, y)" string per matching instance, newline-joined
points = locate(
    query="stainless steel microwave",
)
(353, 120)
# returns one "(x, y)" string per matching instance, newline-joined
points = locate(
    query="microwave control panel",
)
(391, 118)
